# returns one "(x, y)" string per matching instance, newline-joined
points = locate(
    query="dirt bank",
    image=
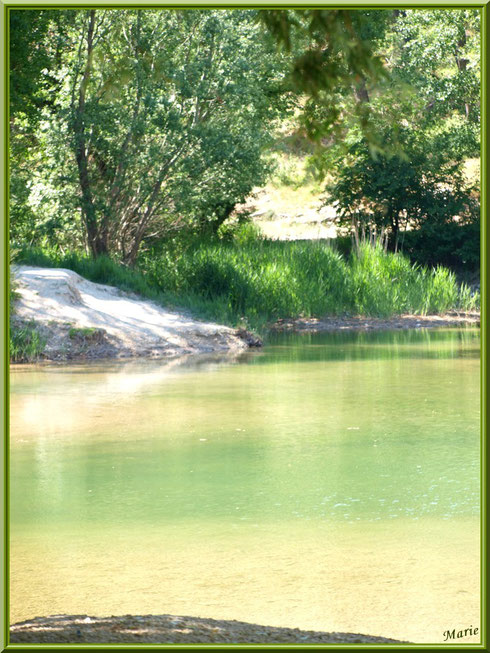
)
(79, 319)
(166, 629)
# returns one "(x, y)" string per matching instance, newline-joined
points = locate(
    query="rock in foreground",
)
(165, 629)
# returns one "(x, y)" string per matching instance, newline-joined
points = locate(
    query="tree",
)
(37, 39)
(388, 194)
(416, 178)
(332, 56)
(166, 115)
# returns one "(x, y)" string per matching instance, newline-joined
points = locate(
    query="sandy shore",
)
(79, 319)
(168, 629)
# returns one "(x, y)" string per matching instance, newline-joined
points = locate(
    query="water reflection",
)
(368, 345)
(224, 487)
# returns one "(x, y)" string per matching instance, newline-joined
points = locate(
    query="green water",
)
(328, 481)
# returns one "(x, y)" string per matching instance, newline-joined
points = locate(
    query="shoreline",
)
(171, 629)
(97, 348)
(78, 320)
(359, 323)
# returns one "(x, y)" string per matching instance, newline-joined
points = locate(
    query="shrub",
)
(454, 245)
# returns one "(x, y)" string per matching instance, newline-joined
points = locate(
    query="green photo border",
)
(4, 285)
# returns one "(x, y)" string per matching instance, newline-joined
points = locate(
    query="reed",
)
(252, 281)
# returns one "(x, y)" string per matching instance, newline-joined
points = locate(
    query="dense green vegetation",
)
(426, 118)
(26, 344)
(159, 123)
(135, 134)
(254, 282)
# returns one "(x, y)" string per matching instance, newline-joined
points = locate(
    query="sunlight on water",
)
(328, 482)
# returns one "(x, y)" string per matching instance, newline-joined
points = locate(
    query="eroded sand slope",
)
(79, 318)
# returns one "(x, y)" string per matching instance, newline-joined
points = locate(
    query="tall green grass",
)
(385, 284)
(26, 345)
(25, 342)
(254, 281)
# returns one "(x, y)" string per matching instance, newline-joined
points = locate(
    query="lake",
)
(327, 482)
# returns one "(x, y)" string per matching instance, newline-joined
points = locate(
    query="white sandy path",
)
(58, 295)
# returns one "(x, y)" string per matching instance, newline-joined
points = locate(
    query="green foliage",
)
(26, 345)
(448, 44)
(240, 232)
(332, 55)
(29, 63)
(157, 120)
(37, 41)
(252, 279)
(131, 127)
(385, 284)
(456, 246)
(468, 300)
(427, 122)
(81, 333)
(270, 279)
(391, 193)
(254, 282)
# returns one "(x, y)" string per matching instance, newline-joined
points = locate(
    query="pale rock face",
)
(60, 301)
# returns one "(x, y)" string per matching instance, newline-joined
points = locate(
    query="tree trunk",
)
(361, 92)
(461, 63)
(227, 210)
(96, 245)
